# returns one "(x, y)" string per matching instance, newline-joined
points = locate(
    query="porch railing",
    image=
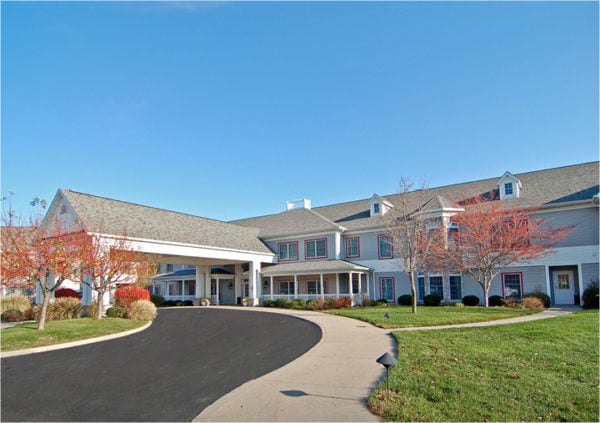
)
(356, 298)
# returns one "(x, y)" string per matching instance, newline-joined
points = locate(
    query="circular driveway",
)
(187, 359)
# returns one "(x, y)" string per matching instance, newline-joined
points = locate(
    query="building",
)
(343, 249)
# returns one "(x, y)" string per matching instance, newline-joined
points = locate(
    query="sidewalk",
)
(330, 383)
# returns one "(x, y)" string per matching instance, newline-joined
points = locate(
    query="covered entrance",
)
(565, 286)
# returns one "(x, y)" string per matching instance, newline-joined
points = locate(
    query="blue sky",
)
(227, 110)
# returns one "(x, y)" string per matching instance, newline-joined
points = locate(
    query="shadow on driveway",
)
(185, 361)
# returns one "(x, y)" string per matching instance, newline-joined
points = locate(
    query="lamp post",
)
(387, 361)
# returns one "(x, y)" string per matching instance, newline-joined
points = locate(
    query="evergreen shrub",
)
(432, 300)
(116, 311)
(157, 299)
(470, 300)
(496, 301)
(405, 300)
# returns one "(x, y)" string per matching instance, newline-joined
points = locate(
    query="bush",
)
(405, 300)
(282, 303)
(12, 316)
(342, 302)
(533, 303)
(169, 303)
(61, 309)
(142, 310)
(459, 304)
(512, 303)
(544, 298)
(369, 302)
(496, 301)
(381, 302)
(66, 293)
(268, 303)
(315, 304)
(157, 299)
(591, 297)
(470, 300)
(127, 295)
(432, 300)
(298, 304)
(116, 311)
(15, 302)
(91, 310)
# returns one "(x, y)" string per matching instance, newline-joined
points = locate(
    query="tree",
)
(105, 263)
(40, 254)
(411, 235)
(491, 236)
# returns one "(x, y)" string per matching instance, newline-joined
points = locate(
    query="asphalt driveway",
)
(185, 361)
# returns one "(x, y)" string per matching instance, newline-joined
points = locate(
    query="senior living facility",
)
(344, 250)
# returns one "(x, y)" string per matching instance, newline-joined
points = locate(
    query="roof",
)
(312, 267)
(137, 221)
(189, 274)
(556, 186)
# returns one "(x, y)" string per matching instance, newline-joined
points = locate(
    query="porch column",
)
(360, 283)
(218, 288)
(237, 285)
(295, 285)
(337, 284)
(198, 283)
(182, 290)
(321, 282)
(271, 286)
(253, 281)
(350, 283)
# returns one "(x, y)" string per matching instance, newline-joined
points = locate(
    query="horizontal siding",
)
(585, 221)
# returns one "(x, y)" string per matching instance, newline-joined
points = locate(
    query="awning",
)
(313, 267)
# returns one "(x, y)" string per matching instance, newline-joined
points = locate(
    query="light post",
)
(387, 361)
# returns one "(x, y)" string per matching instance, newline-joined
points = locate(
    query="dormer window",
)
(509, 186)
(378, 206)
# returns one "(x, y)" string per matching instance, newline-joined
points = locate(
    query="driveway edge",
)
(72, 344)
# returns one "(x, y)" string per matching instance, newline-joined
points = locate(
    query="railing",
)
(180, 297)
(307, 297)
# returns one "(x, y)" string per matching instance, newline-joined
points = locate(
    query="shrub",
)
(533, 303)
(405, 300)
(142, 310)
(432, 300)
(66, 293)
(61, 309)
(116, 311)
(169, 303)
(157, 299)
(127, 295)
(496, 301)
(12, 316)
(381, 302)
(91, 310)
(342, 302)
(545, 298)
(458, 304)
(268, 303)
(15, 302)
(315, 304)
(298, 304)
(470, 300)
(512, 303)
(591, 296)
(282, 303)
(369, 302)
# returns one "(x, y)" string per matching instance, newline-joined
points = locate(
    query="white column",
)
(218, 288)
(295, 286)
(271, 286)
(238, 282)
(182, 290)
(199, 293)
(338, 245)
(360, 283)
(350, 283)
(321, 282)
(253, 282)
(337, 284)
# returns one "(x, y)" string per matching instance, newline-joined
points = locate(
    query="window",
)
(314, 287)
(385, 247)
(436, 286)
(421, 286)
(156, 289)
(288, 251)
(512, 285)
(387, 289)
(376, 208)
(455, 287)
(508, 188)
(316, 248)
(286, 288)
(174, 288)
(169, 267)
(352, 247)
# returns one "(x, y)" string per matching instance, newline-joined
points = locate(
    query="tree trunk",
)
(42, 321)
(413, 290)
(486, 290)
(100, 304)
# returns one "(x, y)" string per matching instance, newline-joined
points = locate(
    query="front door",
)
(387, 289)
(564, 286)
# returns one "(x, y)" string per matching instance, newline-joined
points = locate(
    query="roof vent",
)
(298, 204)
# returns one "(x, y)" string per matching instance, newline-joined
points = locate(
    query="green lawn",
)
(544, 370)
(402, 317)
(60, 331)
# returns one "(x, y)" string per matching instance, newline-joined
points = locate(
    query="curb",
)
(72, 344)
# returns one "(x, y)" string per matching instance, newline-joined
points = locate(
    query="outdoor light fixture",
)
(387, 361)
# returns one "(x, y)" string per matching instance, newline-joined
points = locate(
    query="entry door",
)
(564, 286)
(387, 289)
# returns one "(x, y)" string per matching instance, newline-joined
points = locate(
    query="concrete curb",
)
(73, 343)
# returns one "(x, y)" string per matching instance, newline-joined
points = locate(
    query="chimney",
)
(298, 204)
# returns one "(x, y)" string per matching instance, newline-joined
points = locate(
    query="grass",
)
(536, 371)
(402, 317)
(60, 331)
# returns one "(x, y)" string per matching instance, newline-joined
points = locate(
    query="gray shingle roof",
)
(113, 217)
(313, 267)
(544, 187)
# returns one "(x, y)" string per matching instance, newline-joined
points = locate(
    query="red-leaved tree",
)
(492, 236)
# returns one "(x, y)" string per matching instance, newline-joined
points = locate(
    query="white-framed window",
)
(376, 208)
(508, 188)
(157, 289)
(314, 287)
(421, 286)
(387, 289)
(288, 251)
(385, 249)
(316, 248)
(352, 247)
(512, 285)
(436, 285)
(455, 287)
(286, 288)
(189, 288)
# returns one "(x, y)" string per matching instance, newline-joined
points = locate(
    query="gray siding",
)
(585, 221)
(369, 247)
(589, 273)
(274, 246)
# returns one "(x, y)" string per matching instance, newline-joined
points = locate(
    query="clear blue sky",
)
(227, 110)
